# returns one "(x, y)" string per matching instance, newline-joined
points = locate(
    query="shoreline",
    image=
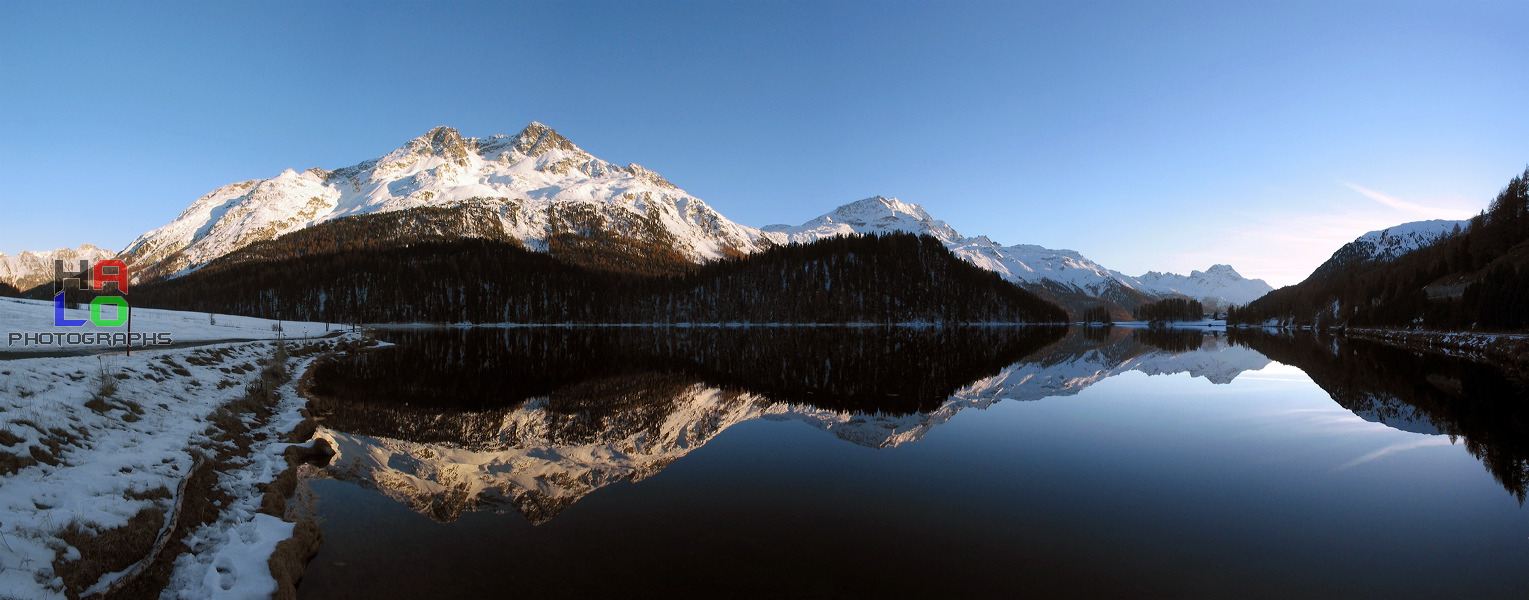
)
(1506, 349)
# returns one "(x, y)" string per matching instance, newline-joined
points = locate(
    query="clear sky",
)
(1146, 135)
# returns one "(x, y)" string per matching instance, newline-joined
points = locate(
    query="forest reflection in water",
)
(575, 409)
(1431, 394)
(1346, 468)
(565, 411)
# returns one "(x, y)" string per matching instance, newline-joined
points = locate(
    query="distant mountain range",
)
(536, 187)
(1064, 276)
(29, 269)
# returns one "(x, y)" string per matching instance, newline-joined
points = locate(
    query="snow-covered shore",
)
(1508, 349)
(94, 451)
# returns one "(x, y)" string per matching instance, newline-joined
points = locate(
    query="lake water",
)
(868, 462)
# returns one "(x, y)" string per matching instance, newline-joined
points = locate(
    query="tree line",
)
(1172, 309)
(872, 279)
(1096, 314)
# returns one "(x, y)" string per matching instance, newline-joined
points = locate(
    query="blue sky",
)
(1146, 135)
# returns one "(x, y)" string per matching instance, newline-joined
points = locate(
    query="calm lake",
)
(947, 462)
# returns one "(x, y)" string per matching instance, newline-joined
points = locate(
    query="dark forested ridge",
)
(579, 237)
(1477, 279)
(877, 279)
(6, 290)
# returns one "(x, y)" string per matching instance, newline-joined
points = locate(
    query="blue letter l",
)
(58, 314)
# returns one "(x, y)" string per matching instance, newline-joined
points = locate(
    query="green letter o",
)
(95, 311)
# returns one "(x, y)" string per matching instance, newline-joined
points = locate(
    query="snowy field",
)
(36, 316)
(90, 445)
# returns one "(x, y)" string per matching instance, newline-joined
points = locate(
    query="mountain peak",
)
(444, 136)
(1217, 287)
(882, 205)
(874, 215)
(440, 141)
(537, 139)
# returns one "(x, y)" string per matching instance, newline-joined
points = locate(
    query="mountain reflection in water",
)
(533, 419)
(605, 462)
(1417, 393)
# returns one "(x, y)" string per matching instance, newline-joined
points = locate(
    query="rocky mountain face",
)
(29, 269)
(1064, 276)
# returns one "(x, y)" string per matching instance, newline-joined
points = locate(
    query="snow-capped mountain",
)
(537, 186)
(1391, 242)
(533, 461)
(1043, 270)
(537, 182)
(1217, 287)
(29, 269)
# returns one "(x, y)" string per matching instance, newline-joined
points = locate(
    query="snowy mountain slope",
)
(1020, 264)
(1397, 414)
(1389, 243)
(533, 461)
(29, 269)
(1029, 265)
(539, 184)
